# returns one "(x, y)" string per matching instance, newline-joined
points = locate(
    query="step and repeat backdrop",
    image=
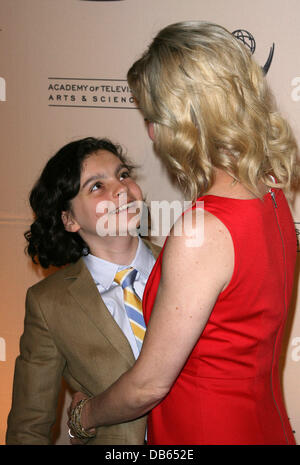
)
(63, 66)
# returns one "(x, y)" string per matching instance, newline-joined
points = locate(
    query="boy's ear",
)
(69, 222)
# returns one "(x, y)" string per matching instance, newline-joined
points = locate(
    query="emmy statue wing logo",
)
(249, 41)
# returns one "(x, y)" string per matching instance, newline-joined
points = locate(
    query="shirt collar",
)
(143, 260)
(103, 272)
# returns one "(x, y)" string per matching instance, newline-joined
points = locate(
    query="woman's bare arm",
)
(191, 280)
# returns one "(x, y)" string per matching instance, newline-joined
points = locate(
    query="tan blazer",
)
(68, 332)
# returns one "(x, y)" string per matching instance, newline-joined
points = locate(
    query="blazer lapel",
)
(86, 294)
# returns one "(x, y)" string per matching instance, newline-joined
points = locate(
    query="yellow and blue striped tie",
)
(133, 304)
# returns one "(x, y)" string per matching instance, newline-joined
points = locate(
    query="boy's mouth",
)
(123, 207)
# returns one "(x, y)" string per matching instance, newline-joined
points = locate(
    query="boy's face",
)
(109, 201)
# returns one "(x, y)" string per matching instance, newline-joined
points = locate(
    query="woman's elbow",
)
(150, 396)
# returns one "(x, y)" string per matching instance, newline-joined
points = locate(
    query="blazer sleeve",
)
(37, 381)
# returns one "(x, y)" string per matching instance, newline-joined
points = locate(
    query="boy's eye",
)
(125, 174)
(96, 186)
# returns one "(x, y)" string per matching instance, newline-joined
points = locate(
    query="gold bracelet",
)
(75, 422)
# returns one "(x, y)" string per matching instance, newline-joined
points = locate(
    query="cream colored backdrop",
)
(48, 46)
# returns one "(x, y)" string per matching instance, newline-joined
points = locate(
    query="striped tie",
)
(133, 304)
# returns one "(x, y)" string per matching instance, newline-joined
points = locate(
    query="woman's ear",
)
(150, 128)
(69, 222)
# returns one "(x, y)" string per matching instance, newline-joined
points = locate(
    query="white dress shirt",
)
(103, 273)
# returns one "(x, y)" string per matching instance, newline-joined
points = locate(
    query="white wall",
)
(93, 42)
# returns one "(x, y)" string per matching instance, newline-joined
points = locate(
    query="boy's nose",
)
(119, 189)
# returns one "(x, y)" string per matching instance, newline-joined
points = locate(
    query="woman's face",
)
(109, 201)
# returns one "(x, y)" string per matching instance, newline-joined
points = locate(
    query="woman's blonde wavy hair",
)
(211, 107)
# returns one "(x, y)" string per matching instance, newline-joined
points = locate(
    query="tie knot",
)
(125, 277)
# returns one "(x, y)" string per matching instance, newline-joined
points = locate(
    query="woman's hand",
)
(77, 397)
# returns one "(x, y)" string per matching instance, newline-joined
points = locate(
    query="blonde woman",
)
(208, 369)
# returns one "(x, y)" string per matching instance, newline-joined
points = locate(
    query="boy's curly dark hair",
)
(59, 183)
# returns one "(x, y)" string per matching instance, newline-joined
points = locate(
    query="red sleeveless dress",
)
(229, 389)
